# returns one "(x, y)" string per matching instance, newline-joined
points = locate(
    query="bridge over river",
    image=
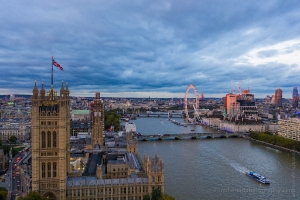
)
(160, 114)
(187, 136)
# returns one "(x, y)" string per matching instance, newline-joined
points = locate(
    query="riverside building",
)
(98, 172)
(289, 128)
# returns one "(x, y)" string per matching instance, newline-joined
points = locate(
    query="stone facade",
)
(97, 108)
(106, 175)
(3, 161)
(234, 124)
(21, 131)
(50, 141)
(118, 187)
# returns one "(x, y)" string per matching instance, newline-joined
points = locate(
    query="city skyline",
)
(156, 49)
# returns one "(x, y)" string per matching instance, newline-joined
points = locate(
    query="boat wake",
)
(229, 162)
(238, 167)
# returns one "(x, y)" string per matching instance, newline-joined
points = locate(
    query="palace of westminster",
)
(98, 172)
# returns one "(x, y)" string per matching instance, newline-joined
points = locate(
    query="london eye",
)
(195, 106)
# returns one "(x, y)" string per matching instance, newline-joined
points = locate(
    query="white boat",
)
(258, 177)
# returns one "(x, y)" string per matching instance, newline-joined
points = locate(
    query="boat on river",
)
(258, 177)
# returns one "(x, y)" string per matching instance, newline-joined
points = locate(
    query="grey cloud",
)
(145, 46)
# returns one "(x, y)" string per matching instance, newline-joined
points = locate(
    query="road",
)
(14, 176)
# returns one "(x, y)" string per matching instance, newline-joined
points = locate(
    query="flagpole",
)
(52, 73)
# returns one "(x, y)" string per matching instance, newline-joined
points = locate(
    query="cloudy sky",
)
(154, 48)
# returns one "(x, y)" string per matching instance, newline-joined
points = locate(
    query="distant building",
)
(80, 115)
(295, 98)
(97, 115)
(247, 103)
(130, 127)
(80, 126)
(278, 97)
(21, 131)
(240, 123)
(243, 103)
(231, 105)
(273, 99)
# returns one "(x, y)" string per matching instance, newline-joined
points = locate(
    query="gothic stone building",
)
(118, 174)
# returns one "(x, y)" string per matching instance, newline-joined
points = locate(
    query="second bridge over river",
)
(187, 136)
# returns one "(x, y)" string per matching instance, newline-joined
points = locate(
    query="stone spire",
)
(42, 92)
(35, 91)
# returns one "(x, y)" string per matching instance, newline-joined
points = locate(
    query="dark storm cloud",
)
(150, 46)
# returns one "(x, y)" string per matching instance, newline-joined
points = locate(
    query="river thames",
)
(215, 168)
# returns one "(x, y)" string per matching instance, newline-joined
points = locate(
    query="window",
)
(43, 139)
(43, 170)
(49, 169)
(54, 169)
(54, 139)
(49, 139)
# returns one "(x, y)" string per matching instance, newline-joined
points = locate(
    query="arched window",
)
(54, 139)
(49, 169)
(54, 169)
(43, 170)
(49, 196)
(43, 139)
(48, 139)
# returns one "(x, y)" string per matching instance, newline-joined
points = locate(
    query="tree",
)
(166, 197)
(5, 149)
(3, 193)
(13, 139)
(112, 118)
(32, 195)
(156, 194)
(146, 197)
(0, 142)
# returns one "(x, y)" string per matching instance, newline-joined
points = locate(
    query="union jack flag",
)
(57, 65)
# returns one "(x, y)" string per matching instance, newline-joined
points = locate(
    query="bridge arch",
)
(191, 86)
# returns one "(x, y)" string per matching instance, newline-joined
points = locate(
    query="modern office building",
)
(295, 98)
(247, 103)
(278, 97)
(231, 105)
